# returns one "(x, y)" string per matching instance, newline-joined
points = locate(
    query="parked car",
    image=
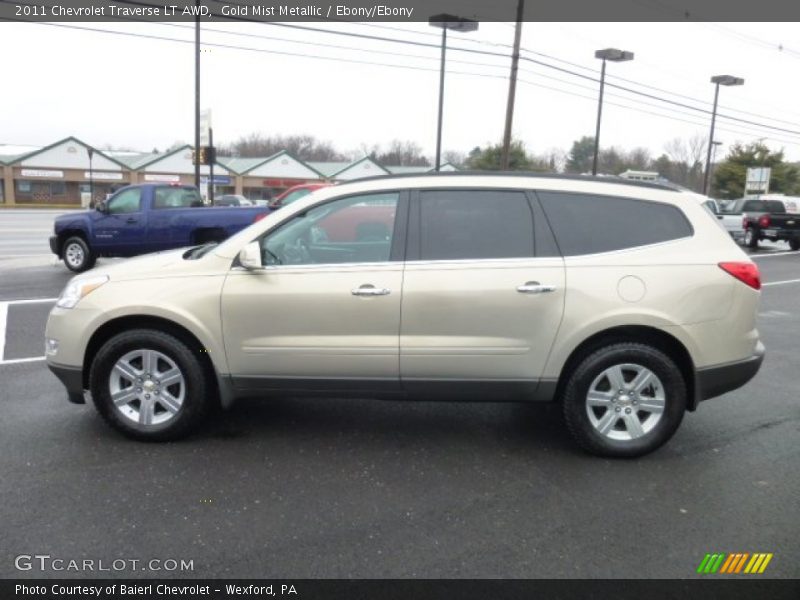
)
(294, 193)
(144, 218)
(768, 220)
(623, 302)
(232, 200)
(731, 221)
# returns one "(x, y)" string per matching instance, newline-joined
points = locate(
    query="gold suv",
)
(625, 302)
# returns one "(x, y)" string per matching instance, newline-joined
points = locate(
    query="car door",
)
(120, 229)
(324, 311)
(483, 296)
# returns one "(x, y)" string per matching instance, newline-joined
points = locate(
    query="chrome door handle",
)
(370, 290)
(534, 287)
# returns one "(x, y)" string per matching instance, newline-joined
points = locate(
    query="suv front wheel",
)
(150, 385)
(624, 400)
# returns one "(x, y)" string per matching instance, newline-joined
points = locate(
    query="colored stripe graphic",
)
(727, 564)
(717, 563)
(765, 563)
(741, 562)
(703, 563)
(734, 563)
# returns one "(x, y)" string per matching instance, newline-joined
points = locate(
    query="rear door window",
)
(474, 224)
(588, 223)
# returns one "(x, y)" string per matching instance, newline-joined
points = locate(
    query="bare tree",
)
(304, 147)
(685, 165)
(403, 153)
(455, 158)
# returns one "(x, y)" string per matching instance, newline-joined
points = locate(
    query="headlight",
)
(79, 288)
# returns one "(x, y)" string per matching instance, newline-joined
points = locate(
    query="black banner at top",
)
(398, 10)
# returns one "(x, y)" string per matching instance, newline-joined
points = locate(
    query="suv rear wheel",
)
(149, 385)
(624, 400)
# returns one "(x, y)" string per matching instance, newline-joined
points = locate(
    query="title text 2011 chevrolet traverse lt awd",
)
(626, 303)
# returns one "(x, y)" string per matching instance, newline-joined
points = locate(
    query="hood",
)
(158, 265)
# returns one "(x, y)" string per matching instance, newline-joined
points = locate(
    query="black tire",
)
(751, 238)
(77, 255)
(591, 368)
(794, 244)
(196, 386)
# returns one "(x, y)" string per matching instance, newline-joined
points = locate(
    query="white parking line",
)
(783, 253)
(780, 282)
(15, 361)
(3, 321)
(32, 301)
(3, 325)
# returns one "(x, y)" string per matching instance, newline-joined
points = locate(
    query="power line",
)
(372, 63)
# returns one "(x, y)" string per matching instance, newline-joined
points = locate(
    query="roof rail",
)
(612, 179)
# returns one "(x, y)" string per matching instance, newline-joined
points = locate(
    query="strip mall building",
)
(69, 171)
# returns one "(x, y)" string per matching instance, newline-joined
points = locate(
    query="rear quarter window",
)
(588, 224)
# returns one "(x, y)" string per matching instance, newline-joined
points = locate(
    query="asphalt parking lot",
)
(344, 488)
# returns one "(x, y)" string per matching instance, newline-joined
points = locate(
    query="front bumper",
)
(54, 245)
(711, 382)
(72, 378)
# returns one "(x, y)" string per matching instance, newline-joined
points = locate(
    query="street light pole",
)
(761, 169)
(91, 178)
(445, 22)
(717, 80)
(614, 55)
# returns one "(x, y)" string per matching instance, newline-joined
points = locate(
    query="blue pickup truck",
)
(144, 218)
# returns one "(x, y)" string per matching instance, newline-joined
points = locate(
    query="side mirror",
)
(101, 207)
(250, 256)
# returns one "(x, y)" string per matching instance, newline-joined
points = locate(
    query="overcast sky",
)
(138, 92)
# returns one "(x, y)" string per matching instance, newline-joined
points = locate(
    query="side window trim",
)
(545, 243)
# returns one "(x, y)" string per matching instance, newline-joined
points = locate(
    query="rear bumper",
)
(54, 245)
(72, 378)
(711, 382)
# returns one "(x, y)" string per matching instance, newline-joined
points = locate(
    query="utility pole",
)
(512, 89)
(211, 166)
(197, 97)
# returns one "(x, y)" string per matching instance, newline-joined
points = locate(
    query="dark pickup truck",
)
(767, 220)
(144, 218)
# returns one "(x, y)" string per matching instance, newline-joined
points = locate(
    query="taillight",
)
(763, 221)
(259, 216)
(746, 272)
(744, 222)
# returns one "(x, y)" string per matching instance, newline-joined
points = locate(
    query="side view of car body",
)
(142, 218)
(627, 303)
